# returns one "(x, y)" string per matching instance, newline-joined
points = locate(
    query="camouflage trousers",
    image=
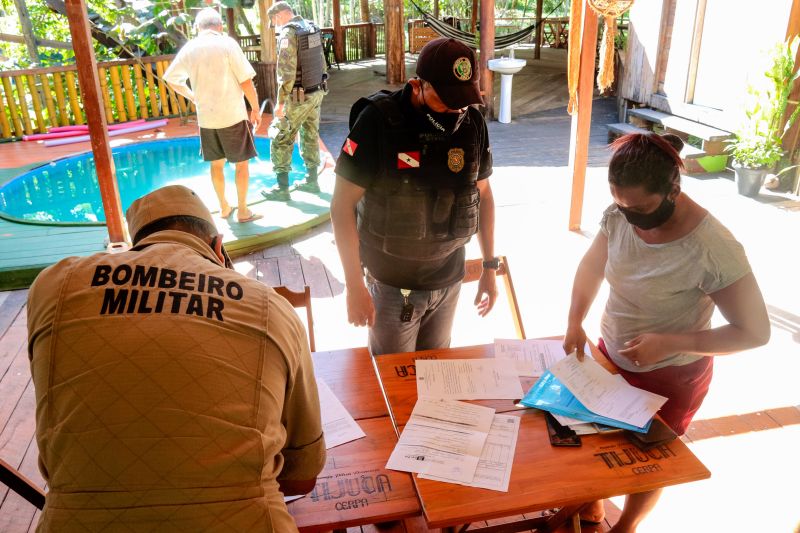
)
(302, 117)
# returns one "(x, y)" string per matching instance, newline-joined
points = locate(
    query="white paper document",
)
(443, 438)
(468, 379)
(337, 424)
(497, 457)
(604, 393)
(532, 356)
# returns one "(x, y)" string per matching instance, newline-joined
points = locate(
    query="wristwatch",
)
(493, 263)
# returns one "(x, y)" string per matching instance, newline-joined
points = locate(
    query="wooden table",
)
(543, 476)
(350, 374)
(355, 488)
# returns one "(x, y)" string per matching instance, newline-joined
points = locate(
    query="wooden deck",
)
(747, 431)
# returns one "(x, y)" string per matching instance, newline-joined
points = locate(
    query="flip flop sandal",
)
(229, 213)
(252, 217)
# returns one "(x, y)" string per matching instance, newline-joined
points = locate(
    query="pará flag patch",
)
(349, 147)
(408, 160)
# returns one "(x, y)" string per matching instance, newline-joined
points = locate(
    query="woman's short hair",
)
(207, 18)
(646, 160)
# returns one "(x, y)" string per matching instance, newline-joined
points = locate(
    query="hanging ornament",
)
(609, 10)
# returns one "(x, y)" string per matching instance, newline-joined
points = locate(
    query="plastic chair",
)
(301, 299)
(472, 272)
(23, 486)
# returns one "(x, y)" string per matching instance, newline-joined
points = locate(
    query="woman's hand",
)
(575, 340)
(649, 348)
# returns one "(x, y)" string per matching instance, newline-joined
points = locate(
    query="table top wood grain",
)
(355, 488)
(351, 376)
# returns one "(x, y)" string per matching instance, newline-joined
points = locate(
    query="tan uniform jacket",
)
(171, 393)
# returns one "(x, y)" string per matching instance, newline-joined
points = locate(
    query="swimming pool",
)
(66, 191)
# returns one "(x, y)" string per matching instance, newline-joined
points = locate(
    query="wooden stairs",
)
(709, 156)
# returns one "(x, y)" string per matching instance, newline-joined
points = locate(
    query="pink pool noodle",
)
(67, 131)
(130, 129)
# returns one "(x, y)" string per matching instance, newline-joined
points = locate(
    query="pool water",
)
(66, 190)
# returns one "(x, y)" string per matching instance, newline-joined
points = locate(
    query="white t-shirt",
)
(215, 66)
(663, 288)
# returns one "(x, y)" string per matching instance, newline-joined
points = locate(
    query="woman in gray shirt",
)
(668, 263)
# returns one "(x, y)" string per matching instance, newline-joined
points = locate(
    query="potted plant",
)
(757, 146)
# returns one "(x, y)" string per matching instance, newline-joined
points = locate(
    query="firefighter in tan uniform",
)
(172, 393)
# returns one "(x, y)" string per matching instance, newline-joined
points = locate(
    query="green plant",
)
(758, 142)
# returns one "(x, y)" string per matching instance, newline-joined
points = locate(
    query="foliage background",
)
(152, 27)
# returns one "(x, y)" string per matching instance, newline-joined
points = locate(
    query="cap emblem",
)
(462, 68)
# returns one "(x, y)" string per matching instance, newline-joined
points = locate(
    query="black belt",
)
(313, 89)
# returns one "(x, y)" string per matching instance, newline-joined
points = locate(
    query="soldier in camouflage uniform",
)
(298, 107)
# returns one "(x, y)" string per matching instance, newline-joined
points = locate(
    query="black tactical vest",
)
(424, 205)
(310, 59)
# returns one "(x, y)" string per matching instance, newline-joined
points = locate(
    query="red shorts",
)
(685, 387)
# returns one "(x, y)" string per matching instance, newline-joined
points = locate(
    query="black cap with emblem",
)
(451, 68)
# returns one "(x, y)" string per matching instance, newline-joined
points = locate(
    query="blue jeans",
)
(430, 326)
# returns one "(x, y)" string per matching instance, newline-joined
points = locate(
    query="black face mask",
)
(650, 220)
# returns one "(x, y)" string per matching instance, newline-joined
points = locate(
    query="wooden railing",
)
(359, 41)
(35, 99)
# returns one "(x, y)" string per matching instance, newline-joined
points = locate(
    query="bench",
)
(710, 157)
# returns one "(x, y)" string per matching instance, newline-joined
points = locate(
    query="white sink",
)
(506, 65)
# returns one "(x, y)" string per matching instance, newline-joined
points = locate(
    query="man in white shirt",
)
(220, 76)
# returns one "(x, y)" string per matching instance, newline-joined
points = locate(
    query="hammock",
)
(470, 39)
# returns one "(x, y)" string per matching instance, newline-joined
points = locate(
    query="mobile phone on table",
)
(560, 435)
(658, 433)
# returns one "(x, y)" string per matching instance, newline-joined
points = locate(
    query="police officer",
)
(301, 86)
(411, 189)
(170, 390)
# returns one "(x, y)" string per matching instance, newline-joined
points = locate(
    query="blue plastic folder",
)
(549, 394)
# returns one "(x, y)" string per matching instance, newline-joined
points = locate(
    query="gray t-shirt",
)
(664, 288)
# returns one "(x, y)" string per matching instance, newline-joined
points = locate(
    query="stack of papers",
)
(457, 442)
(532, 357)
(588, 392)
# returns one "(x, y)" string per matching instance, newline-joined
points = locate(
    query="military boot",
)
(280, 192)
(310, 184)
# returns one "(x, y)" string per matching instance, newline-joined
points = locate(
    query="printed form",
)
(443, 438)
(604, 393)
(497, 457)
(532, 356)
(337, 423)
(468, 379)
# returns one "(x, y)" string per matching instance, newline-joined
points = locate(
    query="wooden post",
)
(791, 139)
(487, 53)
(537, 51)
(395, 56)
(267, 34)
(230, 18)
(582, 119)
(473, 23)
(338, 33)
(436, 9)
(27, 30)
(95, 116)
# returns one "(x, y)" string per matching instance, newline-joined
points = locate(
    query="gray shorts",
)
(234, 143)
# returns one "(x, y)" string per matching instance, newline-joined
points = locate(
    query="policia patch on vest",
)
(455, 159)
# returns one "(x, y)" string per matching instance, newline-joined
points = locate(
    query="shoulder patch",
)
(349, 147)
(284, 44)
